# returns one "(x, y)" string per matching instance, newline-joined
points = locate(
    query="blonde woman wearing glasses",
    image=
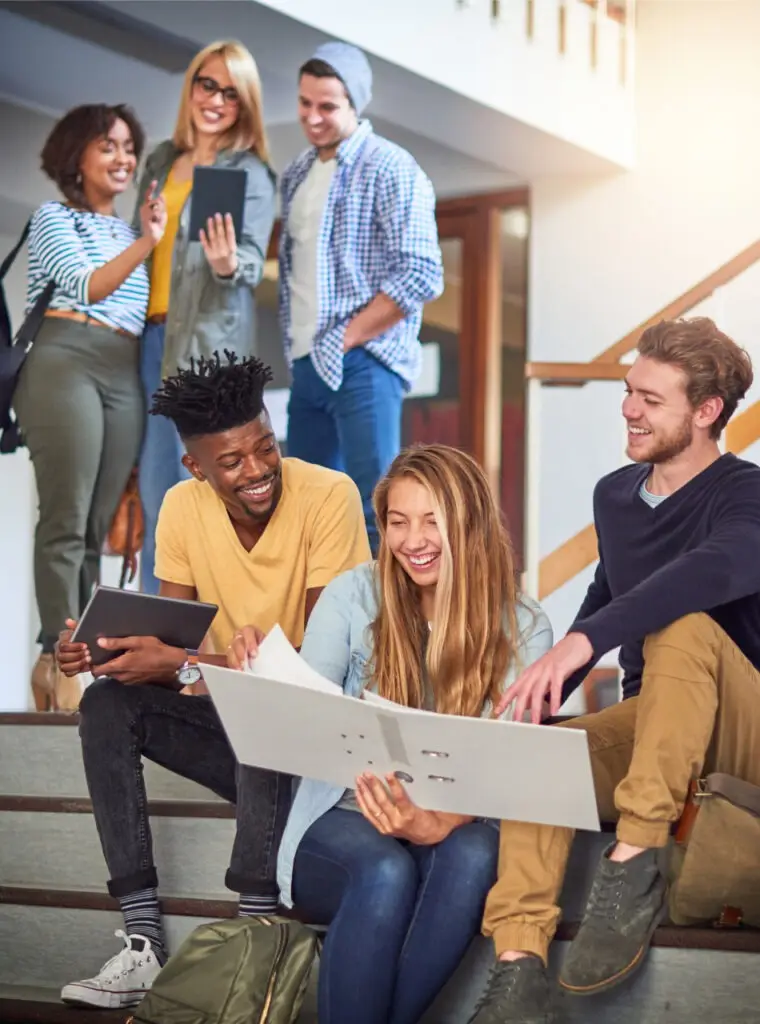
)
(201, 293)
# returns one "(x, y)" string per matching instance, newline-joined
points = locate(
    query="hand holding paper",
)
(284, 716)
(244, 648)
(394, 813)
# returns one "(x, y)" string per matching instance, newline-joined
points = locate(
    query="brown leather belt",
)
(84, 318)
(157, 318)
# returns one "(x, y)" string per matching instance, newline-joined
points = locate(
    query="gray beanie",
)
(352, 68)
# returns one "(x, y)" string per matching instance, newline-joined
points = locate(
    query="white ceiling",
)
(48, 71)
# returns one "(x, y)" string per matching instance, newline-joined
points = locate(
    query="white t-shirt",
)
(304, 224)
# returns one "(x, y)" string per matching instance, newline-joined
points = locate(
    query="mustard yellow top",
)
(175, 194)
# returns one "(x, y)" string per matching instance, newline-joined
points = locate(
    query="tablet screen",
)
(217, 190)
(117, 613)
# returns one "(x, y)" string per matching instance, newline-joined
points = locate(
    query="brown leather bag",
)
(127, 531)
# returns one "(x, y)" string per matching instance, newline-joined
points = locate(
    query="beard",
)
(666, 448)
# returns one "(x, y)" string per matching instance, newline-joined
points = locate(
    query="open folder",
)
(281, 714)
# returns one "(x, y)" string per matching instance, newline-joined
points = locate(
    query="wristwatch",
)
(190, 671)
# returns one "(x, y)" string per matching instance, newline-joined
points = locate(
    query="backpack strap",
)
(10, 259)
(738, 792)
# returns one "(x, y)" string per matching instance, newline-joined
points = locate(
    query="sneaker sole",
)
(102, 1000)
(627, 972)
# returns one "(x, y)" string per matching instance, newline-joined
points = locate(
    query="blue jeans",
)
(161, 457)
(401, 916)
(356, 429)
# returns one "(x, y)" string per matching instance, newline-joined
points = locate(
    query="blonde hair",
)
(248, 132)
(474, 635)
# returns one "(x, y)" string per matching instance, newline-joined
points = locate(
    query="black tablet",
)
(216, 190)
(116, 613)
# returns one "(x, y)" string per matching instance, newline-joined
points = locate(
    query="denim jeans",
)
(356, 429)
(161, 456)
(400, 916)
(119, 725)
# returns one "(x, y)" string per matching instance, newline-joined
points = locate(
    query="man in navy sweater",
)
(677, 588)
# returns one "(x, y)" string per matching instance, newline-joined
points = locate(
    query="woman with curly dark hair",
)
(79, 401)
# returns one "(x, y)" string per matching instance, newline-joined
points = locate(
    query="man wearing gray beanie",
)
(359, 258)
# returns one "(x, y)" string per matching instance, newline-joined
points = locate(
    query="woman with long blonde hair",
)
(201, 292)
(437, 623)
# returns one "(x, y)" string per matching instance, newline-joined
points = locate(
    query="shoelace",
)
(501, 981)
(604, 900)
(123, 963)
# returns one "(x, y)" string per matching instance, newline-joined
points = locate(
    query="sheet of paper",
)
(382, 702)
(278, 659)
(287, 718)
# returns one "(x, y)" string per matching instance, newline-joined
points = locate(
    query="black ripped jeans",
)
(122, 724)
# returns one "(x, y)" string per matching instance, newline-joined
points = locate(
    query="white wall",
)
(19, 621)
(18, 614)
(495, 63)
(607, 253)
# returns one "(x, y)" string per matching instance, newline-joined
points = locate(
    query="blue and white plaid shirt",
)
(378, 234)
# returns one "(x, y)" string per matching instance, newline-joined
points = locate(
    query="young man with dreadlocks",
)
(259, 536)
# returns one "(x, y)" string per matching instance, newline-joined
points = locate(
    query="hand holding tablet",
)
(134, 637)
(217, 191)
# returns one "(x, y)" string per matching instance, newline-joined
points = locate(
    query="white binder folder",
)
(282, 715)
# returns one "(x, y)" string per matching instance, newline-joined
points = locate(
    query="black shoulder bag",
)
(13, 351)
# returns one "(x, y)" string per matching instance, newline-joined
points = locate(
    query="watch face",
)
(189, 674)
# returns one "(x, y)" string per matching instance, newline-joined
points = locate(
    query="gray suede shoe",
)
(626, 903)
(517, 993)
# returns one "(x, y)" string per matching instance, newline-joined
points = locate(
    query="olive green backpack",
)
(251, 970)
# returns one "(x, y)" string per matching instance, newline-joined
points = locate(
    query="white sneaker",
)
(123, 981)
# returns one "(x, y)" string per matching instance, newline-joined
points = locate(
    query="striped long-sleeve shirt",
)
(68, 246)
(378, 234)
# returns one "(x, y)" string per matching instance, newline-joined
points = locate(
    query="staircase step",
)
(73, 927)
(57, 847)
(56, 918)
(22, 1004)
(675, 986)
(40, 756)
(49, 939)
(62, 850)
(51, 945)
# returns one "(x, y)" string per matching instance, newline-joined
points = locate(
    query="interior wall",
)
(18, 614)
(609, 252)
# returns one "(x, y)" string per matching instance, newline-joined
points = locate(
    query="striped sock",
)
(257, 906)
(142, 916)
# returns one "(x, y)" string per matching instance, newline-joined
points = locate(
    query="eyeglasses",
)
(211, 87)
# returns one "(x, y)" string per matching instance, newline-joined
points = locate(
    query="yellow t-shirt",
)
(317, 532)
(175, 195)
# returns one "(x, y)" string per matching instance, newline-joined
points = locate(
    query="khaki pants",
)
(698, 711)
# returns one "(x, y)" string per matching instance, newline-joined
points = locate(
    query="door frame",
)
(476, 220)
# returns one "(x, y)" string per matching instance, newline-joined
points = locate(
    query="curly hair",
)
(213, 396)
(61, 156)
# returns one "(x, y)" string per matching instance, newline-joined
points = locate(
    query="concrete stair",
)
(56, 920)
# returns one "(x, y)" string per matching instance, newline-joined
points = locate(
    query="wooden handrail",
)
(574, 373)
(580, 550)
(744, 429)
(567, 561)
(684, 303)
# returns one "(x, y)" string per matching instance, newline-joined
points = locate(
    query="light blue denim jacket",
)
(337, 644)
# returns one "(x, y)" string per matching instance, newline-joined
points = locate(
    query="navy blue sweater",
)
(697, 551)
